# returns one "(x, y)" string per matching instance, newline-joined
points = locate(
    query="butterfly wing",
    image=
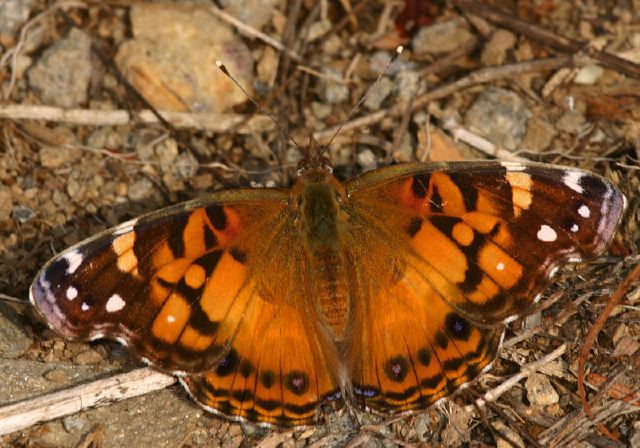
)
(206, 286)
(448, 252)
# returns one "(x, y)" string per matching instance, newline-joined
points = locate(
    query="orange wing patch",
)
(411, 348)
(277, 370)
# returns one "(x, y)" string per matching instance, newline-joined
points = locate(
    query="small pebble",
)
(57, 156)
(378, 93)
(59, 376)
(89, 356)
(499, 115)
(540, 392)
(572, 122)
(140, 189)
(74, 423)
(589, 75)
(332, 91)
(23, 214)
(443, 37)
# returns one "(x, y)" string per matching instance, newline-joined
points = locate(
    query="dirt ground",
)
(548, 81)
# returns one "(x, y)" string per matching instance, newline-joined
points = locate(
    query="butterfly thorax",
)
(319, 198)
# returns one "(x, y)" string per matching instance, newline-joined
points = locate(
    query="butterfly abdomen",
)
(327, 276)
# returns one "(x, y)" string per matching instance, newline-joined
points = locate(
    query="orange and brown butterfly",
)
(387, 291)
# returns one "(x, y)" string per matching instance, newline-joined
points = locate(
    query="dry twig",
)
(23, 414)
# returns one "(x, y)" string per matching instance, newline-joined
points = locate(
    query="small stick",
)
(527, 370)
(252, 32)
(25, 413)
(215, 122)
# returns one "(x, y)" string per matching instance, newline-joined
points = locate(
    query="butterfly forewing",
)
(146, 281)
(491, 233)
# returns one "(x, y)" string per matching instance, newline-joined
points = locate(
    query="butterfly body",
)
(388, 290)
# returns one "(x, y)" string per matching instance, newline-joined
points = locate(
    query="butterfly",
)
(388, 291)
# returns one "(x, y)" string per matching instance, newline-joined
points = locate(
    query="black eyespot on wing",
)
(297, 382)
(396, 368)
(457, 327)
(267, 378)
(246, 368)
(424, 356)
(442, 340)
(228, 364)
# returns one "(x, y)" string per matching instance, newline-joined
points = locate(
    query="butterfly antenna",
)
(393, 59)
(286, 134)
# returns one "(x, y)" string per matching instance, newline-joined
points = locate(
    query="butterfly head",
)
(315, 164)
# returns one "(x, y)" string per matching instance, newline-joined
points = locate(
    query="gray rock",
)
(171, 61)
(62, 74)
(185, 166)
(334, 92)
(499, 115)
(22, 213)
(540, 392)
(572, 122)
(13, 13)
(443, 37)
(14, 340)
(140, 189)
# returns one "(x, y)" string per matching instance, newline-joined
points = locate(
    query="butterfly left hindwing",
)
(389, 289)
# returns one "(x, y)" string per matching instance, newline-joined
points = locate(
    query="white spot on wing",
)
(513, 166)
(115, 303)
(584, 211)
(572, 180)
(125, 227)
(84, 306)
(547, 234)
(71, 293)
(74, 259)
(171, 319)
(575, 228)
(500, 266)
